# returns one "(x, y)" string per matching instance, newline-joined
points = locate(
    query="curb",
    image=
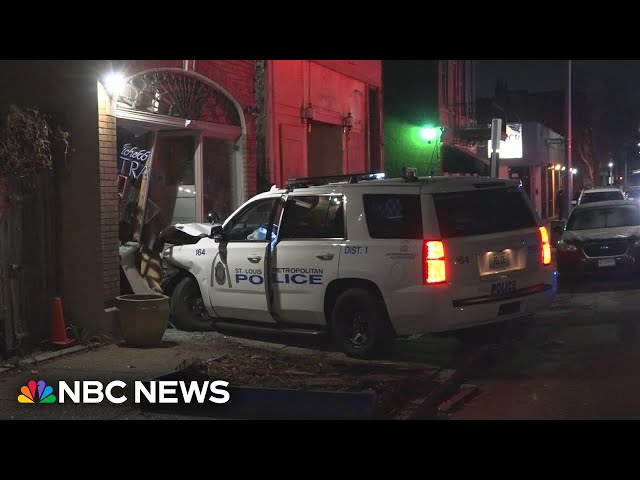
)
(424, 408)
(50, 355)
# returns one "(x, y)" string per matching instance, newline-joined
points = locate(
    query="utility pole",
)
(569, 176)
(625, 173)
(496, 128)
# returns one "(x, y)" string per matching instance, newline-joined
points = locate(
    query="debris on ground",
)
(464, 393)
(395, 383)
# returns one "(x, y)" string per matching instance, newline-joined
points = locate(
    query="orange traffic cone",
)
(58, 330)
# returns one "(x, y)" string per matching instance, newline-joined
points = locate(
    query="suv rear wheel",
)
(359, 325)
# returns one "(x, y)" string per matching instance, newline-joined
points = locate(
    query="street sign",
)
(554, 141)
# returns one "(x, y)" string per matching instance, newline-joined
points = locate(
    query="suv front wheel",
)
(359, 325)
(187, 308)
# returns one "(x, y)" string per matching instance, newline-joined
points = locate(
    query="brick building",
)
(429, 113)
(165, 141)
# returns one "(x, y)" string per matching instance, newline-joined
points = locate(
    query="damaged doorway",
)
(173, 185)
(168, 176)
(324, 149)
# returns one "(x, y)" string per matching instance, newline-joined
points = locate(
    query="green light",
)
(429, 133)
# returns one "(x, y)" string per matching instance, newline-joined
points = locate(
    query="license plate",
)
(508, 308)
(498, 260)
(503, 288)
(607, 262)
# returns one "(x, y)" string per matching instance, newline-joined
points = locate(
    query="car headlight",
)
(167, 255)
(566, 247)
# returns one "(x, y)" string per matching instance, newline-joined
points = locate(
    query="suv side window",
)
(318, 216)
(251, 224)
(393, 216)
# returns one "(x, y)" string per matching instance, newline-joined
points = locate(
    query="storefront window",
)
(217, 174)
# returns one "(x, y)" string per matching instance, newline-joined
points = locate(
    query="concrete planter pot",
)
(143, 319)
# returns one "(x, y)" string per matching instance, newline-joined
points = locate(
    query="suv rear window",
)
(601, 196)
(393, 216)
(605, 217)
(480, 212)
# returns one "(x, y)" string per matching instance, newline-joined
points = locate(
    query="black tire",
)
(359, 324)
(187, 309)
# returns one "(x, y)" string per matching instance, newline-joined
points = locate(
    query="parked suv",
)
(633, 193)
(367, 259)
(600, 237)
(600, 195)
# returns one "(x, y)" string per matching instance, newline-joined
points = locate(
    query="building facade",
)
(324, 117)
(534, 154)
(549, 109)
(165, 141)
(429, 114)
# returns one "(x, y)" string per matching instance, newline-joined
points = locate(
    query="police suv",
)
(366, 259)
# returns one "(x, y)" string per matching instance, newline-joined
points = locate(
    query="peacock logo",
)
(44, 393)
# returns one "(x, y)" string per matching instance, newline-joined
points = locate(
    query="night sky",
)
(613, 86)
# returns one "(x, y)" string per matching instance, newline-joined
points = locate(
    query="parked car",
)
(599, 195)
(366, 260)
(600, 237)
(633, 193)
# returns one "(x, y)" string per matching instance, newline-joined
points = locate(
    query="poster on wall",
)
(134, 157)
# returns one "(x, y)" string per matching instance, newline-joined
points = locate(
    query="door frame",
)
(164, 124)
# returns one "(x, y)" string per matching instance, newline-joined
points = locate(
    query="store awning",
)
(457, 160)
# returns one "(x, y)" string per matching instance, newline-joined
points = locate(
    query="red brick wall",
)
(369, 71)
(335, 88)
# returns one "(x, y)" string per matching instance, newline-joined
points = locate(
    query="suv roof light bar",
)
(350, 177)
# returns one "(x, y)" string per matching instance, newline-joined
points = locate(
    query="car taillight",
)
(546, 246)
(434, 270)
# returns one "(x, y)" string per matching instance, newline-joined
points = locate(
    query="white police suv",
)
(367, 259)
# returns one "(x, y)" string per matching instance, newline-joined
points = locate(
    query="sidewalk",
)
(413, 363)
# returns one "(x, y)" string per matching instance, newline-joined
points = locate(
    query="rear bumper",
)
(518, 294)
(578, 265)
(440, 313)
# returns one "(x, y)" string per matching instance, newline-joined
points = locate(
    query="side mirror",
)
(558, 229)
(574, 202)
(213, 217)
(217, 233)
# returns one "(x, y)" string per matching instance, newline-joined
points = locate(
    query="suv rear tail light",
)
(546, 246)
(434, 270)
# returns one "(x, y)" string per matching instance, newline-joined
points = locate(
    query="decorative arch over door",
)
(181, 107)
(176, 94)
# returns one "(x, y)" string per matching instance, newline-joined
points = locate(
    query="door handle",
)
(325, 256)
(254, 258)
